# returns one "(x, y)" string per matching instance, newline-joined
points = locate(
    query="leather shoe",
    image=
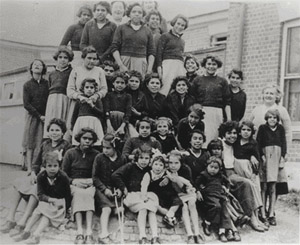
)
(206, 228)
(272, 221)
(229, 235)
(222, 237)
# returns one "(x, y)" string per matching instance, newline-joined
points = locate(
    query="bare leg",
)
(78, 217)
(263, 198)
(272, 199)
(186, 220)
(104, 218)
(162, 210)
(153, 223)
(33, 219)
(141, 220)
(29, 157)
(89, 219)
(15, 198)
(194, 216)
(41, 227)
(31, 205)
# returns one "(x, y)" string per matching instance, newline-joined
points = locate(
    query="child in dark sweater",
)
(109, 68)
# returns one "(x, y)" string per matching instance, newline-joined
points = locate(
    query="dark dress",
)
(168, 144)
(238, 104)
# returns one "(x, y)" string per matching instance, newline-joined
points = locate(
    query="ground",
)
(287, 213)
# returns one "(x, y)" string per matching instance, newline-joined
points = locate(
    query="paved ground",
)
(287, 214)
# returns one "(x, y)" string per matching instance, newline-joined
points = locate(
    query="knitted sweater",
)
(238, 104)
(73, 35)
(58, 81)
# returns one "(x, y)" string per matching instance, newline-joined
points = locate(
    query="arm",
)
(67, 36)
(67, 164)
(227, 99)
(27, 102)
(284, 143)
(117, 56)
(286, 123)
(41, 189)
(98, 108)
(118, 177)
(228, 112)
(116, 48)
(102, 90)
(95, 175)
(128, 148)
(68, 196)
(159, 54)
(144, 185)
(84, 41)
(75, 114)
(108, 51)
(71, 88)
(36, 167)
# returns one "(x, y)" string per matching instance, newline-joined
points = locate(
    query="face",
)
(154, 85)
(134, 83)
(179, 26)
(109, 71)
(100, 13)
(246, 132)
(108, 150)
(136, 15)
(143, 160)
(174, 164)
(191, 66)
(269, 95)
(89, 89)
(162, 128)
(84, 17)
(90, 60)
(117, 10)
(181, 87)
(55, 133)
(217, 152)
(272, 121)
(37, 67)
(158, 167)
(144, 129)
(213, 168)
(211, 67)
(62, 60)
(52, 168)
(148, 5)
(119, 84)
(86, 141)
(231, 136)
(197, 141)
(193, 118)
(154, 21)
(235, 80)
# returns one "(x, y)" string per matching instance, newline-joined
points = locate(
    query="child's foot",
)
(237, 236)
(229, 235)
(272, 221)
(104, 240)
(199, 239)
(206, 228)
(22, 236)
(222, 237)
(190, 240)
(8, 225)
(169, 220)
(155, 240)
(143, 240)
(16, 230)
(79, 239)
(89, 239)
(33, 240)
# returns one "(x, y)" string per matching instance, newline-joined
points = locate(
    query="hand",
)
(110, 129)
(225, 189)
(79, 183)
(42, 118)
(32, 178)
(254, 164)
(118, 193)
(82, 99)
(164, 182)
(108, 193)
(120, 130)
(144, 198)
(135, 112)
(131, 157)
(56, 202)
(171, 177)
(125, 192)
(90, 102)
(199, 196)
(123, 68)
(94, 98)
(149, 71)
(281, 163)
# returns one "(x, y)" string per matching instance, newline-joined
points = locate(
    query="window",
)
(218, 39)
(8, 91)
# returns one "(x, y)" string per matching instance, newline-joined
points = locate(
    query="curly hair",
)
(164, 119)
(51, 157)
(64, 49)
(60, 123)
(214, 159)
(143, 149)
(111, 64)
(227, 127)
(213, 58)
(160, 159)
(85, 8)
(278, 92)
(180, 16)
(249, 124)
(236, 71)
(133, 73)
(148, 120)
(153, 12)
(197, 131)
(130, 7)
(150, 76)
(120, 74)
(179, 79)
(191, 57)
(197, 108)
(88, 50)
(43, 64)
(89, 80)
(84, 131)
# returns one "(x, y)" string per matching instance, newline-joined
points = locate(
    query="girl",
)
(118, 9)
(273, 148)
(58, 102)
(104, 165)
(78, 165)
(197, 157)
(128, 179)
(213, 93)
(54, 199)
(170, 53)
(188, 124)
(88, 113)
(144, 127)
(179, 100)
(117, 106)
(191, 66)
(132, 45)
(26, 187)
(35, 95)
(238, 96)
(164, 135)
(109, 68)
(212, 187)
(181, 181)
(99, 31)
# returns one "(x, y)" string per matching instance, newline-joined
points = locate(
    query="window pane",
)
(8, 91)
(293, 57)
(292, 98)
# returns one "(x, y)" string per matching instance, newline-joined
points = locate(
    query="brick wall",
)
(196, 37)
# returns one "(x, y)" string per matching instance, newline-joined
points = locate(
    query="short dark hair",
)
(249, 124)
(66, 50)
(83, 8)
(145, 119)
(191, 57)
(51, 156)
(236, 71)
(130, 7)
(216, 160)
(88, 50)
(272, 112)
(213, 58)
(111, 64)
(84, 131)
(133, 73)
(120, 74)
(44, 66)
(153, 12)
(214, 144)
(228, 127)
(197, 108)
(158, 158)
(177, 80)
(88, 80)
(144, 148)
(104, 4)
(150, 76)
(180, 16)
(59, 122)
(197, 131)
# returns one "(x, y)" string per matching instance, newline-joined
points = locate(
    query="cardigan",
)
(155, 106)
(60, 189)
(211, 91)
(47, 147)
(170, 46)
(130, 42)
(35, 96)
(78, 164)
(100, 39)
(238, 104)
(73, 35)
(58, 81)
(103, 168)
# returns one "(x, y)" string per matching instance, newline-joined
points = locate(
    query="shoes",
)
(155, 240)
(237, 236)
(199, 239)
(222, 237)
(89, 239)
(143, 240)
(190, 240)
(242, 220)
(171, 221)
(33, 240)
(22, 236)
(229, 235)
(272, 221)
(256, 227)
(16, 230)
(79, 239)
(206, 228)
(7, 226)
(104, 240)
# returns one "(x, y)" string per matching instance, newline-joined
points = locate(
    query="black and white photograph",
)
(149, 122)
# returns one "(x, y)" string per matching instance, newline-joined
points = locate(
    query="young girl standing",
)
(273, 148)
(88, 113)
(191, 66)
(104, 165)
(188, 124)
(35, 95)
(58, 102)
(54, 199)
(128, 179)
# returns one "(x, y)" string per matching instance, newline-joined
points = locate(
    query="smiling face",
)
(55, 133)
(235, 80)
(90, 60)
(136, 15)
(89, 89)
(213, 168)
(119, 84)
(162, 128)
(117, 10)
(211, 67)
(197, 141)
(144, 129)
(272, 121)
(181, 88)
(143, 160)
(174, 163)
(193, 118)
(158, 167)
(134, 83)
(246, 132)
(154, 85)
(52, 168)
(154, 21)
(230, 137)
(179, 26)
(86, 141)
(62, 60)
(269, 96)
(191, 66)
(84, 17)
(100, 13)
(149, 5)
